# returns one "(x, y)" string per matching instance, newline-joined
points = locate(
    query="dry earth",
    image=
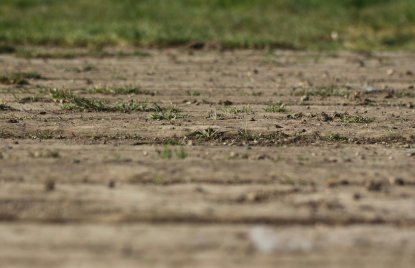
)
(325, 177)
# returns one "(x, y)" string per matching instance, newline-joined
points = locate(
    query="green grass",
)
(72, 101)
(125, 90)
(336, 138)
(298, 24)
(240, 110)
(275, 107)
(168, 153)
(214, 115)
(97, 51)
(206, 134)
(19, 79)
(165, 113)
(357, 119)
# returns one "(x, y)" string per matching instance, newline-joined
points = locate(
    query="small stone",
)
(200, 189)
(50, 185)
(397, 181)
(305, 98)
(251, 197)
(13, 121)
(332, 160)
(390, 72)
(374, 186)
(111, 184)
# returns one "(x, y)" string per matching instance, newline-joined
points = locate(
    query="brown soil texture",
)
(313, 151)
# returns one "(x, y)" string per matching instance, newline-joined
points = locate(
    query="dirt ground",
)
(324, 177)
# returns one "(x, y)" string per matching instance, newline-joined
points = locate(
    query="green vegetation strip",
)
(72, 101)
(297, 24)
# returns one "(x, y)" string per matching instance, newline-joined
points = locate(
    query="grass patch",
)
(275, 107)
(240, 110)
(125, 90)
(132, 106)
(246, 135)
(65, 54)
(357, 119)
(295, 24)
(214, 115)
(336, 138)
(192, 93)
(206, 134)
(71, 101)
(168, 153)
(19, 79)
(166, 113)
(30, 99)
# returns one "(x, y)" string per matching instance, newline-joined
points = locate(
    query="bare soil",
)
(328, 172)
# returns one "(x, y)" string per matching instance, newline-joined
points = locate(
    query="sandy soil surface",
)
(268, 159)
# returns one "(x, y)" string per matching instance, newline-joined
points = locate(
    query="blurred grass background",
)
(295, 24)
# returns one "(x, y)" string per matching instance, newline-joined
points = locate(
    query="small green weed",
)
(206, 134)
(240, 110)
(245, 135)
(72, 102)
(214, 115)
(19, 79)
(192, 93)
(168, 153)
(34, 98)
(133, 106)
(181, 153)
(275, 107)
(336, 138)
(126, 90)
(357, 119)
(166, 113)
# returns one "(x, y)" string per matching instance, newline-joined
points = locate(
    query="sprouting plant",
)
(214, 115)
(165, 113)
(181, 153)
(240, 110)
(123, 90)
(275, 107)
(245, 134)
(192, 93)
(357, 119)
(167, 153)
(208, 133)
